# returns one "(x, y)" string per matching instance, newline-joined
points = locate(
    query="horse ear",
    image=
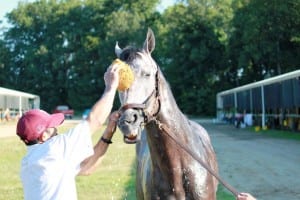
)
(149, 43)
(118, 50)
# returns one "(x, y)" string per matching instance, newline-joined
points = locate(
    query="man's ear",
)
(44, 136)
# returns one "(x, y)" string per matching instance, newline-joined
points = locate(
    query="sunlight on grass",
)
(11, 151)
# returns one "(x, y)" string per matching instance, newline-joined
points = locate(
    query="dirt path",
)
(266, 167)
(7, 129)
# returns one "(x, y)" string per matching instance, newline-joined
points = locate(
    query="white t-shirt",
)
(48, 170)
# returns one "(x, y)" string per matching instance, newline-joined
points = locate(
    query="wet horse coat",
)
(164, 169)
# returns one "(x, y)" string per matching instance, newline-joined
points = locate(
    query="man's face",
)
(50, 132)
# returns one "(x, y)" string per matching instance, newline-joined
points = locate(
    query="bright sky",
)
(8, 5)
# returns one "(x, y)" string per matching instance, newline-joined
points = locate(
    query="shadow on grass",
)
(129, 193)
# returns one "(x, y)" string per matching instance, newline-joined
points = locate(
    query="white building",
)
(273, 101)
(17, 101)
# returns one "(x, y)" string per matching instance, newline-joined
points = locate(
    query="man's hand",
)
(111, 76)
(103, 106)
(245, 196)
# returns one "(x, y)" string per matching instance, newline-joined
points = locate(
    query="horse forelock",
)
(129, 54)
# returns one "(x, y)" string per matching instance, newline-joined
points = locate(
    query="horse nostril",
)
(135, 117)
(132, 120)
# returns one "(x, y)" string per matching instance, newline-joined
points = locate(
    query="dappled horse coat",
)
(164, 170)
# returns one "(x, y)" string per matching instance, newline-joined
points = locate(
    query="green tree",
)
(60, 49)
(265, 41)
(192, 54)
(4, 65)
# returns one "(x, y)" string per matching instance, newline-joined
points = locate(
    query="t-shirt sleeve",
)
(79, 144)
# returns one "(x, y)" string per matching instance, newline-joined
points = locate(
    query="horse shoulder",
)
(199, 130)
(206, 142)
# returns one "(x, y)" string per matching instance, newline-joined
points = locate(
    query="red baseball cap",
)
(34, 122)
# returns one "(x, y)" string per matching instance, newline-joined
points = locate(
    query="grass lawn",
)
(113, 180)
(280, 134)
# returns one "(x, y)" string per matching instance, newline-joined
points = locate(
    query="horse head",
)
(140, 101)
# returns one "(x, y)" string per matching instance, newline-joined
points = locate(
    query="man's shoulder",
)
(82, 128)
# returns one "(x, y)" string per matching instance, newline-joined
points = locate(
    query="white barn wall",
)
(258, 84)
(18, 101)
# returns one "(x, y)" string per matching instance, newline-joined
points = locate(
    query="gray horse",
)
(150, 117)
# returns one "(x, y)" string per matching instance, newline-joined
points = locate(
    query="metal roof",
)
(10, 92)
(286, 76)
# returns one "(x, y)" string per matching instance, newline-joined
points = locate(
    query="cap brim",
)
(56, 120)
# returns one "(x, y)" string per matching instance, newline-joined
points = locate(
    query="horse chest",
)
(186, 180)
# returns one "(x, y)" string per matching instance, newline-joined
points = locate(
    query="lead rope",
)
(165, 129)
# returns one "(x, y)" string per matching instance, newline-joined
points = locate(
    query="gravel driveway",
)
(266, 167)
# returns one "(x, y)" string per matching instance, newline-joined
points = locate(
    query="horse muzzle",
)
(131, 123)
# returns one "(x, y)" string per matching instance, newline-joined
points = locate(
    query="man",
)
(49, 168)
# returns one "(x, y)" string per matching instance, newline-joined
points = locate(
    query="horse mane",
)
(166, 89)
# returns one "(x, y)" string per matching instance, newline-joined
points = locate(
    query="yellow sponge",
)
(126, 76)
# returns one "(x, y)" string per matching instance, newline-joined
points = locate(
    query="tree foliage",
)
(59, 49)
(265, 41)
(192, 57)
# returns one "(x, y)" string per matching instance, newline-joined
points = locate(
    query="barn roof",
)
(10, 92)
(286, 76)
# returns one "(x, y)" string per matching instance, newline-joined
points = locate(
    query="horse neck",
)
(171, 117)
(169, 110)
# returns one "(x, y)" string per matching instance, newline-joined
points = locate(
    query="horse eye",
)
(146, 74)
